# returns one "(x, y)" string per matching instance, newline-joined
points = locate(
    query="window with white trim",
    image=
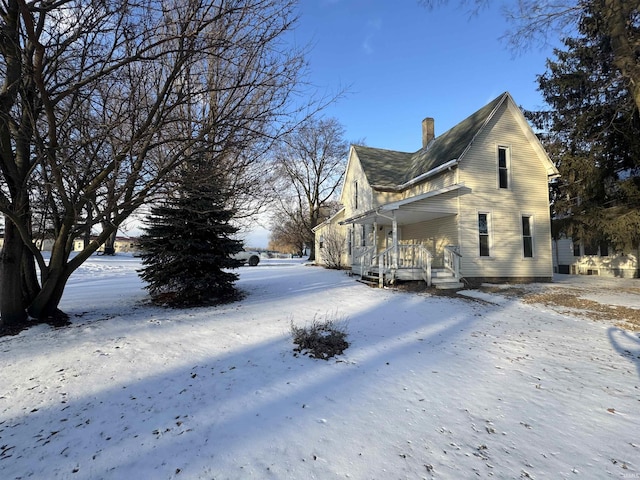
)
(483, 234)
(355, 195)
(503, 167)
(527, 236)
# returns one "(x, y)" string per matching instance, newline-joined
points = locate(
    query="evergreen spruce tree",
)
(593, 134)
(187, 246)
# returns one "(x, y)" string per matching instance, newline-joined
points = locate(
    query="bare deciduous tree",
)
(311, 162)
(101, 100)
(288, 233)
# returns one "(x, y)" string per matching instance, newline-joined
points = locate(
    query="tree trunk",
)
(12, 305)
(617, 18)
(45, 305)
(109, 244)
(30, 283)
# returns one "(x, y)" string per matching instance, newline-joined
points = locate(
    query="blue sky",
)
(403, 62)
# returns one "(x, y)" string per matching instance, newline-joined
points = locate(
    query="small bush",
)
(322, 339)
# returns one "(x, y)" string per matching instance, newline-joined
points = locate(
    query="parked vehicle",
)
(248, 257)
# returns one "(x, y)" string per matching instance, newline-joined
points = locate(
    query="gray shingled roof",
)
(384, 167)
(389, 168)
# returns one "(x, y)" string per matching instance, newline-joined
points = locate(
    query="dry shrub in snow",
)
(323, 338)
(333, 247)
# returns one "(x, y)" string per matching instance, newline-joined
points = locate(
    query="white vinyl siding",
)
(614, 264)
(528, 192)
(356, 186)
(327, 229)
(445, 179)
(434, 235)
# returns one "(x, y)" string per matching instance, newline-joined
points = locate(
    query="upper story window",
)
(527, 236)
(483, 234)
(503, 167)
(355, 195)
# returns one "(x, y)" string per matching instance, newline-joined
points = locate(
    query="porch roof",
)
(407, 211)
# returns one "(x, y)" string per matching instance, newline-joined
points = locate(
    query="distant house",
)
(472, 205)
(121, 245)
(42, 244)
(580, 258)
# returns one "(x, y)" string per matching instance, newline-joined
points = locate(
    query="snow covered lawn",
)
(430, 386)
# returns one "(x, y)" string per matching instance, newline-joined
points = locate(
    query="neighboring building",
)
(121, 245)
(579, 258)
(44, 245)
(472, 204)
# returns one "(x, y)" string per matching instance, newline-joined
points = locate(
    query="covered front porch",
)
(408, 240)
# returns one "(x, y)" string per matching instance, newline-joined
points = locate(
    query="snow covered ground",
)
(430, 386)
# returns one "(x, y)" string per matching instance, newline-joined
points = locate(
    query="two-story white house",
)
(472, 205)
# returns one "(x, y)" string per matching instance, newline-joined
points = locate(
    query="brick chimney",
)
(428, 131)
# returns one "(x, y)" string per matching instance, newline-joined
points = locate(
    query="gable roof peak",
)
(390, 169)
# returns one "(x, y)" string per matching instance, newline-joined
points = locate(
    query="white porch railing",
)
(363, 257)
(452, 260)
(412, 256)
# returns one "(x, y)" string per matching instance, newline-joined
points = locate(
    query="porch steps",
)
(443, 279)
(372, 279)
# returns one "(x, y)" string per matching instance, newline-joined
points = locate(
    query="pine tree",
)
(593, 134)
(188, 246)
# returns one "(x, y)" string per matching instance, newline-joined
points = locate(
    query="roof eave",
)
(420, 178)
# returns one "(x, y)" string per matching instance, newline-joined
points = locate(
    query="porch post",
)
(375, 253)
(396, 250)
(375, 237)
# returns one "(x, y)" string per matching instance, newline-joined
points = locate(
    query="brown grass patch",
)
(569, 302)
(625, 317)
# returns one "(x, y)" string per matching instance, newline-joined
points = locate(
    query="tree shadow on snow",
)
(198, 420)
(626, 344)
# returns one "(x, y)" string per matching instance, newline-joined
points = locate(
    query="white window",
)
(355, 195)
(503, 167)
(527, 236)
(483, 234)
